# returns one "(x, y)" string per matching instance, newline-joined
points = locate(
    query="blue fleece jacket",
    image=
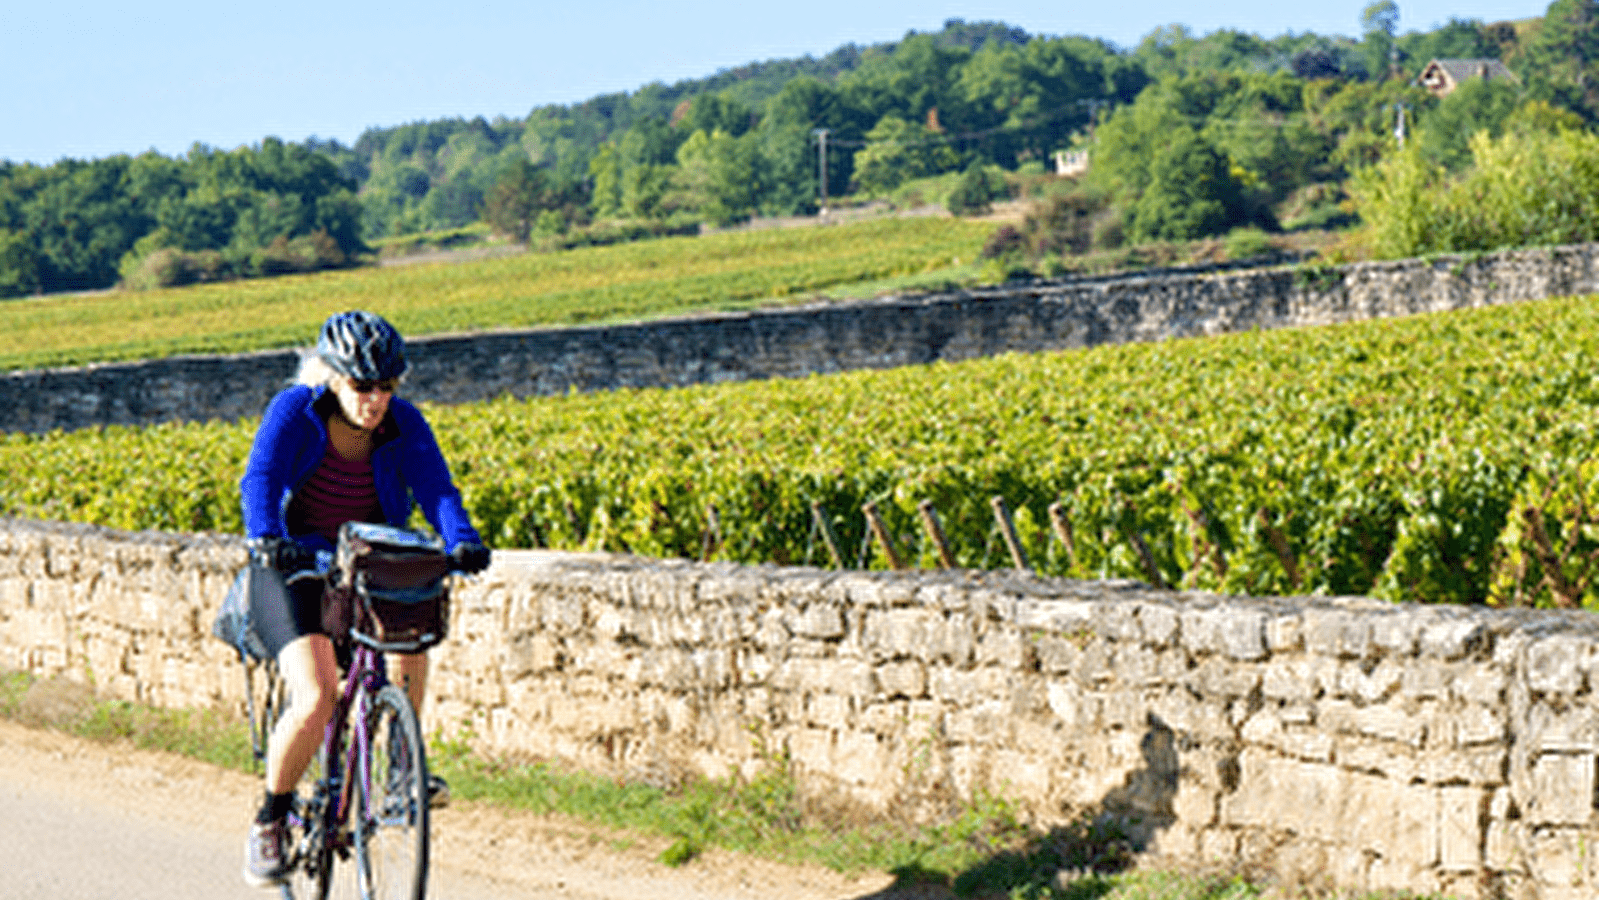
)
(407, 468)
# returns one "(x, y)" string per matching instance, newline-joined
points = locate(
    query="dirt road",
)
(86, 821)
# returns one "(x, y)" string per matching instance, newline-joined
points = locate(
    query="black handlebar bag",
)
(391, 582)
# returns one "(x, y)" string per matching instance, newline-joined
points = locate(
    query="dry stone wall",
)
(1343, 740)
(798, 341)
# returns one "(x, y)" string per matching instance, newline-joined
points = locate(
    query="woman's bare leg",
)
(413, 677)
(311, 674)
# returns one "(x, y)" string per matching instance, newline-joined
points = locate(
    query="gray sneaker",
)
(438, 792)
(264, 862)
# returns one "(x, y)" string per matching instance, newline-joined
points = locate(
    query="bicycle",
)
(366, 792)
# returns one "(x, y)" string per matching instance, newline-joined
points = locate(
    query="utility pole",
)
(1399, 124)
(821, 164)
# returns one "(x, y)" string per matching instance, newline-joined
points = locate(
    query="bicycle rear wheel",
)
(391, 802)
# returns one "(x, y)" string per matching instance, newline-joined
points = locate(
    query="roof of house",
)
(1444, 75)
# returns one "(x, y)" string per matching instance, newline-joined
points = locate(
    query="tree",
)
(1560, 63)
(1379, 22)
(606, 171)
(1476, 106)
(898, 151)
(1191, 192)
(514, 204)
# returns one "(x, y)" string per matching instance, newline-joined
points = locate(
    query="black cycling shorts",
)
(280, 618)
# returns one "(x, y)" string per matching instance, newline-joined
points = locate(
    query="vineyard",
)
(594, 284)
(1440, 458)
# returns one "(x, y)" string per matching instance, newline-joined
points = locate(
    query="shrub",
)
(978, 188)
(1524, 189)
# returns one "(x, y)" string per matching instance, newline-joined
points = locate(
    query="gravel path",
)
(88, 820)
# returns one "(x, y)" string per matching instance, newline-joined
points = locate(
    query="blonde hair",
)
(315, 372)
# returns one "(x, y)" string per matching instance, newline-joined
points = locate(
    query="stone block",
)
(1460, 827)
(1158, 624)
(907, 679)
(1138, 665)
(1065, 701)
(1277, 794)
(1473, 765)
(954, 640)
(860, 759)
(1425, 679)
(986, 724)
(900, 633)
(1559, 859)
(1566, 729)
(1285, 633)
(1336, 632)
(1056, 654)
(1397, 633)
(1218, 678)
(1243, 635)
(1453, 639)
(1555, 664)
(1118, 622)
(1482, 685)
(1287, 680)
(1200, 629)
(818, 621)
(1006, 648)
(829, 711)
(1097, 665)
(1562, 790)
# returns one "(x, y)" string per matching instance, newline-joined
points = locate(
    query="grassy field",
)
(595, 284)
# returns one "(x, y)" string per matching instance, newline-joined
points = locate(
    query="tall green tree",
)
(1560, 62)
(1379, 23)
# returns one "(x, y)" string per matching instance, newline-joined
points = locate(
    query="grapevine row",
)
(1440, 458)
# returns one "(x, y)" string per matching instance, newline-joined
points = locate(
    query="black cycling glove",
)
(288, 555)
(469, 558)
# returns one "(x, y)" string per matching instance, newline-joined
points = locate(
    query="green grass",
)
(640, 280)
(985, 851)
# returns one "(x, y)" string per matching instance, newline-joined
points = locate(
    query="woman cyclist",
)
(334, 448)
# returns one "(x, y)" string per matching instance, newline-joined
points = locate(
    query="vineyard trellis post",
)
(946, 560)
(1063, 532)
(1007, 529)
(828, 538)
(875, 523)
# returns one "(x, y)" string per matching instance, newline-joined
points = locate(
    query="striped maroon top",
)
(339, 491)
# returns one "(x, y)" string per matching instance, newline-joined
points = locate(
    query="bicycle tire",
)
(390, 803)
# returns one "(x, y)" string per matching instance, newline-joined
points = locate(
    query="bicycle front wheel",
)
(391, 802)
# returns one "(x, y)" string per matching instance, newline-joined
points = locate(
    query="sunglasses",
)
(367, 386)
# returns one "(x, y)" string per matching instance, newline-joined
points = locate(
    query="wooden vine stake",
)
(881, 533)
(1279, 545)
(713, 532)
(1063, 531)
(1007, 528)
(828, 537)
(1141, 547)
(946, 560)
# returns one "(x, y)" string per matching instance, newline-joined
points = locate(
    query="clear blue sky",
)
(93, 78)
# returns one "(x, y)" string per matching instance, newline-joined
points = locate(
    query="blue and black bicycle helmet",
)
(362, 345)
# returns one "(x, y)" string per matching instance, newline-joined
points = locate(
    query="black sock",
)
(274, 807)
